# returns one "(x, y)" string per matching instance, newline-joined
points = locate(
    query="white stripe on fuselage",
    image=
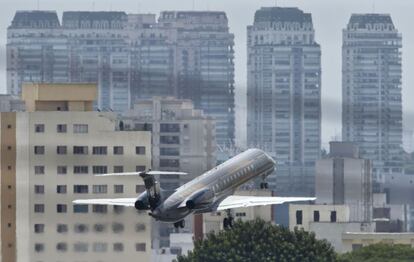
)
(225, 178)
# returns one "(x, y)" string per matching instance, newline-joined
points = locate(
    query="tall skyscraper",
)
(284, 95)
(131, 57)
(371, 89)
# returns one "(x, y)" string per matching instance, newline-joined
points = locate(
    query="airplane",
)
(210, 192)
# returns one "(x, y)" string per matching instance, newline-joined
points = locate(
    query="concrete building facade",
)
(371, 91)
(284, 95)
(49, 159)
(345, 179)
(183, 54)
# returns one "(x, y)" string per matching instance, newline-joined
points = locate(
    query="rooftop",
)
(35, 19)
(282, 14)
(362, 20)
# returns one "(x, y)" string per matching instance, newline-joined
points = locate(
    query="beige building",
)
(301, 216)
(353, 241)
(49, 156)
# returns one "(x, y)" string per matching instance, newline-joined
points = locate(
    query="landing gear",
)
(179, 224)
(264, 185)
(228, 221)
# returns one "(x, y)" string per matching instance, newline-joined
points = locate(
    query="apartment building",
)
(372, 90)
(131, 56)
(49, 156)
(183, 139)
(284, 95)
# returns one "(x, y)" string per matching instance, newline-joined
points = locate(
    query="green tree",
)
(260, 241)
(380, 253)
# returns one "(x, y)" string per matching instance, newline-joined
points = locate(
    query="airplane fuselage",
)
(218, 183)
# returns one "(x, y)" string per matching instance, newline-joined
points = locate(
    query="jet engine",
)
(199, 199)
(142, 202)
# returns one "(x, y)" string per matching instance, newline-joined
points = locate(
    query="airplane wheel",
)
(225, 223)
(230, 221)
(266, 185)
(182, 223)
(177, 224)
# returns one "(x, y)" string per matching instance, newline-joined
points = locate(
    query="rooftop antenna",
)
(373, 6)
(93, 6)
(38, 5)
(193, 5)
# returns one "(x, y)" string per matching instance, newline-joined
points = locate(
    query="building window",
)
(140, 227)
(118, 210)
(118, 247)
(118, 189)
(118, 150)
(80, 189)
(80, 209)
(316, 216)
(61, 189)
(62, 170)
(140, 247)
(62, 128)
(39, 189)
(299, 216)
(39, 150)
(81, 228)
(39, 228)
(39, 128)
(80, 129)
(100, 247)
(117, 227)
(80, 170)
(39, 247)
(140, 150)
(170, 140)
(61, 150)
(102, 209)
(169, 128)
(99, 228)
(61, 247)
(333, 216)
(169, 151)
(80, 150)
(169, 163)
(61, 208)
(140, 168)
(139, 188)
(39, 170)
(62, 228)
(99, 150)
(99, 189)
(81, 247)
(118, 169)
(100, 169)
(39, 208)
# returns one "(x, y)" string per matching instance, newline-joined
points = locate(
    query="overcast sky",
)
(329, 17)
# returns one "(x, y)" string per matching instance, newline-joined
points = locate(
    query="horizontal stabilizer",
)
(144, 173)
(127, 202)
(249, 201)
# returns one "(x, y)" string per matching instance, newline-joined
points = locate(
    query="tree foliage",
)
(380, 253)
(260, 241)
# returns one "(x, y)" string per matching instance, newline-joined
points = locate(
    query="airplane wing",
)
(249, 201)
(127, 202)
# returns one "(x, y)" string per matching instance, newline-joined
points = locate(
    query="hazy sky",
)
(329, 17)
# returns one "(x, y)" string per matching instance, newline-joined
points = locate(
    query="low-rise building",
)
(49, 157)
(353, 241)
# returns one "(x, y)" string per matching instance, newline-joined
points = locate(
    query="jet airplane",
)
(210, 192)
